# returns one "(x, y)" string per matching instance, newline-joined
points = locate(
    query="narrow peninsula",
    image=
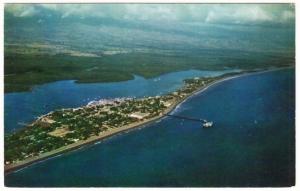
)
(67, 129)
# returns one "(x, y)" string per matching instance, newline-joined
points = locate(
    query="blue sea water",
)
(252, 143)
(22, 108)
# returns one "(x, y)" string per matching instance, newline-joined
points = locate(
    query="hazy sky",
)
(207, 13)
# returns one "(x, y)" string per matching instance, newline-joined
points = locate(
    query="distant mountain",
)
(48, 46)
(94, 34)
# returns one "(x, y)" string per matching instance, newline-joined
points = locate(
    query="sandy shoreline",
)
(103, 135)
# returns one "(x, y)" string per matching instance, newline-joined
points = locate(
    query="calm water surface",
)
(251, 144)
(22, 108)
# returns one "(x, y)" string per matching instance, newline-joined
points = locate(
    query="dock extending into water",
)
(188, 118)
(204, 122)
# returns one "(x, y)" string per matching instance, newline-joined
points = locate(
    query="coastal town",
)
(66, 127)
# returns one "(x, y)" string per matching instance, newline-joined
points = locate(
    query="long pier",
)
(187, 118)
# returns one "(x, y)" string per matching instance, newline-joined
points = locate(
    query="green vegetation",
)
(63, 127)
(23, 71)
(66, 126)
(31, 141)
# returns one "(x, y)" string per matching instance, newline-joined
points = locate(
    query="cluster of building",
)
(66, 126)
(108, 101)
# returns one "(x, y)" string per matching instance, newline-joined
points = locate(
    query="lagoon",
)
(251, 144)
(24, 107)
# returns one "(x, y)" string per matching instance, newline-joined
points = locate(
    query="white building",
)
(138, 115)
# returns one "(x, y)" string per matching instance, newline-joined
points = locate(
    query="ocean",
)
(23, 107)
(252, 143)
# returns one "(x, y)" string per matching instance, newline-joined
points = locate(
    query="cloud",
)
(150, 12)
(239, 14)
(288, 15)
(21, 10)
(209, 13)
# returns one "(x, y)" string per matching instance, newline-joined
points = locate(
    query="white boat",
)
(208, 124)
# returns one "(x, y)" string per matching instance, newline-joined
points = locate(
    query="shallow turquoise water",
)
(251, 144)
